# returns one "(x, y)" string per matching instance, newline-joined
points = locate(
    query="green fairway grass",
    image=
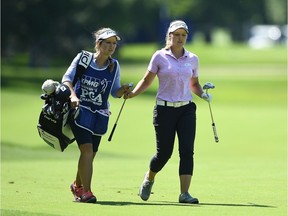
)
(244, 174)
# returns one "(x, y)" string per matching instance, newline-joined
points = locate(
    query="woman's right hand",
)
(74, 101)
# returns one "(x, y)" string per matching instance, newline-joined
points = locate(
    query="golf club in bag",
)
(114, 127)
(206, 87)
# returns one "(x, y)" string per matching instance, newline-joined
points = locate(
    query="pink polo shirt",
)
(174, 74)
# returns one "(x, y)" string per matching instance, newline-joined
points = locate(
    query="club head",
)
(208, 85)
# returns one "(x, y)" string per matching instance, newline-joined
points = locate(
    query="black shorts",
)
(83, 136)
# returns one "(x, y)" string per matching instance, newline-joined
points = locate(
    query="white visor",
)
(107, 34)
(177, 25)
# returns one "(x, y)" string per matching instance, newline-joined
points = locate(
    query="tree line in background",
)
(46, 28)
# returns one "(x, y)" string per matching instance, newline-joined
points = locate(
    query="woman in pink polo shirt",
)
(175, 111)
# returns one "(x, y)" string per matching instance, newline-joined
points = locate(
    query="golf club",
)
(114, 127)
(208, 86)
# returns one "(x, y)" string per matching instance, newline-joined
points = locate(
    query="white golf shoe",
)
(145, 189)
(187, 198)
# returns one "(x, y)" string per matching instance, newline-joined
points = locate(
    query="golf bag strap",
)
(84, 61)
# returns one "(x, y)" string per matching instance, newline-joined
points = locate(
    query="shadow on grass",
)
(114, 203)
(237, 205)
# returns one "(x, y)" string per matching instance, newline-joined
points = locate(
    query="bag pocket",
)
(95, 122)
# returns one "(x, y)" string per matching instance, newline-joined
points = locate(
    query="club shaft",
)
(115, 125)
(112, 132)
(213, 123)
(120, 111)
(211, 113)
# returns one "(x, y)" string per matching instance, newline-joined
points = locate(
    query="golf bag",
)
(53, 125)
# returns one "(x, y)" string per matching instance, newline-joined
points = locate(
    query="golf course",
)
(245, 173)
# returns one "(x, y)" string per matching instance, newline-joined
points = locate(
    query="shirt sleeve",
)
(71, 71)
(153, 65)
(116, 85)
(196, 66)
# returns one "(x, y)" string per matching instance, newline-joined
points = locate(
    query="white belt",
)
(172, 104)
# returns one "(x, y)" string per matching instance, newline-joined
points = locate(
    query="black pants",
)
(167, 122)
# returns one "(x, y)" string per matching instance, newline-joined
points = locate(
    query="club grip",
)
(215, 133)
(112, 132)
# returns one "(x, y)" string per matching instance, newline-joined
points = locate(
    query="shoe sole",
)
(144, 199)
(91, 200)
(194, 202)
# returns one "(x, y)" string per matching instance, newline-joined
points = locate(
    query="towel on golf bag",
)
(96, 122)
(53, 125)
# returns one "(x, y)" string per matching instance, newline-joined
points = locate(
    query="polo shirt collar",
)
(169, 52)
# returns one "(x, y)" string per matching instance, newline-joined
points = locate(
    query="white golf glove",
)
(206, 97)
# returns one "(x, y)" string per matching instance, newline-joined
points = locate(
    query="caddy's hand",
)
(74, 101)
(207, 97)
(126, 89)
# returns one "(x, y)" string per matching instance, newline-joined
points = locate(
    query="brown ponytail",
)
(111, 64)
